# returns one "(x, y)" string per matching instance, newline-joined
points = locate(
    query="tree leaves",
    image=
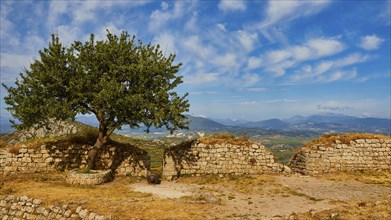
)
(120, 80)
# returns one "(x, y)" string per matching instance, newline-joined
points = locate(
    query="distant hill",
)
(204, 124)
(231, 122)
(196, 124)
(318, 123)
(273, 124)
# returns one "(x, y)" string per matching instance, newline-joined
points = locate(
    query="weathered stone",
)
(368, 154)
(83, 213)
(218, 159)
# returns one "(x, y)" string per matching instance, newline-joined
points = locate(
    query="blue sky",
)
(249, 60)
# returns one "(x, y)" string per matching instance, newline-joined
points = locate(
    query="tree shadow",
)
(181, 155)
(68, 156)
(130, 159)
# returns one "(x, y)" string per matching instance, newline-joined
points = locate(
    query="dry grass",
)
(380, 210)
(225, 138)
(329, 139)
(381, 178)
(3, 144)
(31, 143)
(14, 149)
(242, 184)
(114, 199)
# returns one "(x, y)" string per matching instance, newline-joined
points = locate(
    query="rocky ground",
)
(274, 197)
(337, 196)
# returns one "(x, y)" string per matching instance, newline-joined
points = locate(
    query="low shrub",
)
(226, 138)
(3, 144)
(14, 149)
(329, 139)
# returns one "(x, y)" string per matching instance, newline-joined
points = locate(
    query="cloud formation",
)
(229, 5)
(252, 50)
(371, 42)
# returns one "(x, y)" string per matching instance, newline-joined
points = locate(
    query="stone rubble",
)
(13, 207)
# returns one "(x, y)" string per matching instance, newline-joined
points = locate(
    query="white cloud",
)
(338, 75)
(164, 5)
(160, 17)
(68, 34)
(371, 42)
(201, 78)
(247, 40)
(322, 47)
(194, 45)
(284, 11)
(277, 61)
(255, 89)
(250, 79)
(112, 28)
(230, 5)
(254, 63)
(191, 25)
(329, 70)
(56, 8)
(221, 27)
(166, 42)
(226, 61)
(278, 14)
(16, 61)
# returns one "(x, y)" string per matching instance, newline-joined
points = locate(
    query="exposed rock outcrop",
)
(54, 128)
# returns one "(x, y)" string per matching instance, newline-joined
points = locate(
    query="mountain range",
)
(318, 123)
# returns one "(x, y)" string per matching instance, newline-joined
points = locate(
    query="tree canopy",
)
(120, 80)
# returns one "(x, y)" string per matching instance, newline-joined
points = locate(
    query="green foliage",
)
(120, 80)
(41, 92)
(86, 170)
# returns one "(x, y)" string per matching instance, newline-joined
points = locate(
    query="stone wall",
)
(195, 158)
(360, 154)
(12, 207)
(123, 159)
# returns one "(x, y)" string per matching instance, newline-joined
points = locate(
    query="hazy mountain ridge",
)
(318, 123)
(325, 122)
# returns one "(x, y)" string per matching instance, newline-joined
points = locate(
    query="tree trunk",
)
(103, 135)
(92, 154)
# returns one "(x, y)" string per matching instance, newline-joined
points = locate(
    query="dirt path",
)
(167, 190)
(271, 200)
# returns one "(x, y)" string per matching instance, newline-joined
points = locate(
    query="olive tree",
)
(120, 80)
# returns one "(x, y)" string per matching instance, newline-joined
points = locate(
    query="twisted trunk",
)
(103, 135)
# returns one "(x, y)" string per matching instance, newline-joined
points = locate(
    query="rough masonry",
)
(13, 207)
(195, 158)
(358, 155)
(123, 159)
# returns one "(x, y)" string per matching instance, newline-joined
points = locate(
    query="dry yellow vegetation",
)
(329, 139)
(226, 138)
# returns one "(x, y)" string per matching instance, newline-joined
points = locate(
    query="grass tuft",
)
(226, 138)
(14, 149)
(3, 144)
(329, 139)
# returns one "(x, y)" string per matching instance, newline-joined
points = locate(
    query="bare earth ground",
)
(261, 197)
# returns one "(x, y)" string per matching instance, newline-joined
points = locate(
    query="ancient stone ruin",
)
(355, 155)
(123, 159)
(200, 157)
(12, 207)
(92, 177)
